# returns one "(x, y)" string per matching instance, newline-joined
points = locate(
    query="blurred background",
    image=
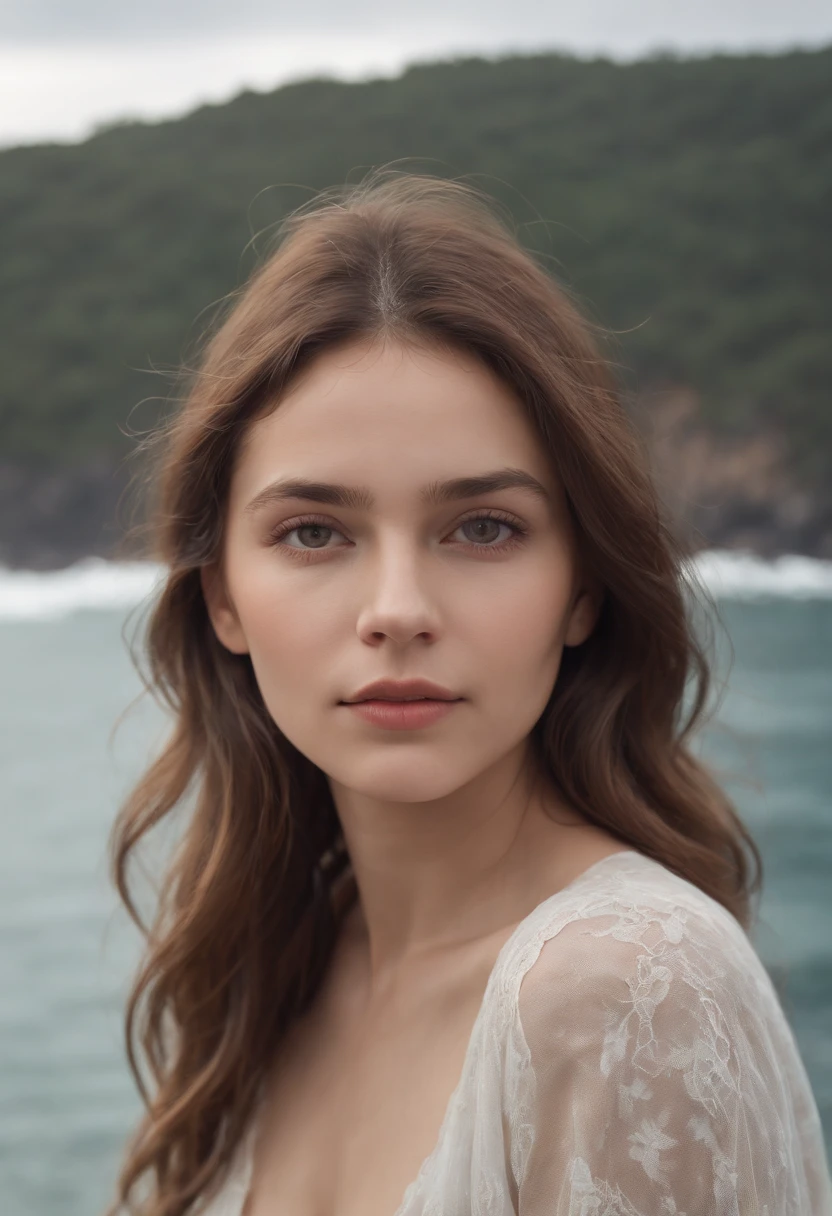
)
(672, 163)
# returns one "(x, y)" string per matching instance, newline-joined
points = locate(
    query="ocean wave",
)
(35, 595)
(741, 575)
(95, 583)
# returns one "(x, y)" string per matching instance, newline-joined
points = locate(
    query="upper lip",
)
(396, 690)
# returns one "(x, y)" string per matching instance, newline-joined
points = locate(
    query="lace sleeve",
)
(659, 1077)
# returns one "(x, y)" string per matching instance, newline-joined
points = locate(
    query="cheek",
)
(526, 612)
(288, 633)
(515, 636)
(291, 660)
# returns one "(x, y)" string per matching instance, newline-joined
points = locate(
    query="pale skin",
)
(453, 839)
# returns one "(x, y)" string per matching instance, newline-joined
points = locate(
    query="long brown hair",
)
(246, 919)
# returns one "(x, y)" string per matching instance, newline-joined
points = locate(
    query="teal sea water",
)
(66, 1098)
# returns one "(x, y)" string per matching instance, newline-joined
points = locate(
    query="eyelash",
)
(518, 533)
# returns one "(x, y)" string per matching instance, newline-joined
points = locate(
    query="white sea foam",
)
(92, 583)
(740, 575)
(98, 584)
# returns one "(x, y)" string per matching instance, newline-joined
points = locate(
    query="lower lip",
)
(402, 715)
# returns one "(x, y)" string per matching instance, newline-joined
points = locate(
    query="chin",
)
(395, 779)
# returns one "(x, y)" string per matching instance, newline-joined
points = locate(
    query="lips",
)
(402, 691)
(403, 715)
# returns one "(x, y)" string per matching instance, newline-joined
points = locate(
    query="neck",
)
(428, 877)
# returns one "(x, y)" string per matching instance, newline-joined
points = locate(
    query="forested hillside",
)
(685, 202)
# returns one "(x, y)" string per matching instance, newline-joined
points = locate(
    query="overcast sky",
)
(66, 65)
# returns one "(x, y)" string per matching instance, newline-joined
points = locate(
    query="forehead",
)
(391, 413)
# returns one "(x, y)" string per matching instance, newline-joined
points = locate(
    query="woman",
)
(482, 953)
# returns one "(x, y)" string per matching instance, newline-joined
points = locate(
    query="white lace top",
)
(630, 1058)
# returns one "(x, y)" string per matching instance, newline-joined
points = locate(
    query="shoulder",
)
(636, 912)
(640, 956)
(648, 1060)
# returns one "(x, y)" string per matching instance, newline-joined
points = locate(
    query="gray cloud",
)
(553, 22)
(50, 21)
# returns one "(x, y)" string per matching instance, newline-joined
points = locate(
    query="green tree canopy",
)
(685, 203)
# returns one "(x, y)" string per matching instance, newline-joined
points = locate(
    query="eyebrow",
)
(435, 493)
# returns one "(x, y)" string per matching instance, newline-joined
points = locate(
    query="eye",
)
(307, 526)
(317, 532)
(492, 525)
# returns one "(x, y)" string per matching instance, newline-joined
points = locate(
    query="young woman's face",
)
(326, 598)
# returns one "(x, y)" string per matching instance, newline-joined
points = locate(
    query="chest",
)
(353, 1112)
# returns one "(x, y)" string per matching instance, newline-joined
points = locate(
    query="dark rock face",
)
(730, 492)
(52, 518)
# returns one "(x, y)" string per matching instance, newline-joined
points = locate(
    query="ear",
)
(221, 611)
(585, 611)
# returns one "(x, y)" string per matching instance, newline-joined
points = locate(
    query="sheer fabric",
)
(630, 1058)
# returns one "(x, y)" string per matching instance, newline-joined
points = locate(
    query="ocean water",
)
(66, 1098)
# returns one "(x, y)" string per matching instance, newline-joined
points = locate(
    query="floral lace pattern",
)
(630, 1058)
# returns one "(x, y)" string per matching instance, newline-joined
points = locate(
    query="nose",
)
(398, 598)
